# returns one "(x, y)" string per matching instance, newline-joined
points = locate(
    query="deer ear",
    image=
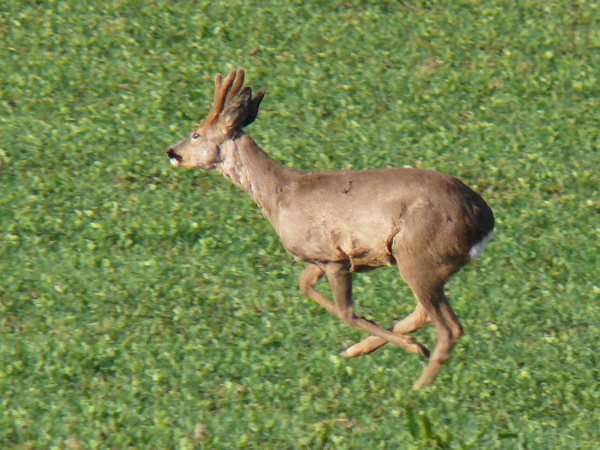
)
(253, 108)
(236, 111)
(242, 109)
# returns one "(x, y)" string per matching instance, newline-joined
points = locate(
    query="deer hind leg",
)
(427, 283)
(340, 280)
(411, 323)
(449, 331)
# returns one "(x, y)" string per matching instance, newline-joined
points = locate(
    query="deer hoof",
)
(349, 353)
(418, 386)
(424, 352)
(421, 384)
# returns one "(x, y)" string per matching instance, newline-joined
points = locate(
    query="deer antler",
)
(221, 91)
(236, 104)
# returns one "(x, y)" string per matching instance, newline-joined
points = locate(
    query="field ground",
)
(143, 307)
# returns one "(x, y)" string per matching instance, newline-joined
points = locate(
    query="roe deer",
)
(428, 224)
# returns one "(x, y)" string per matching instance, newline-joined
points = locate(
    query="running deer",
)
(338, 223)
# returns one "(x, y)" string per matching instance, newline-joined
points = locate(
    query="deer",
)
(339, 223)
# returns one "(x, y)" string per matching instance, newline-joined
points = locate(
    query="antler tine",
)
(218, 82)
(239, 82)
(221, 90)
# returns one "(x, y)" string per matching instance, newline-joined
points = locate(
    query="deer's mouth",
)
(174, 158)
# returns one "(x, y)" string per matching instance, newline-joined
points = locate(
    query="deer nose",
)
(172, 155)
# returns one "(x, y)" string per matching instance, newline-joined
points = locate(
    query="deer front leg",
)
(340, 280)
(411, 323)
(311, 276)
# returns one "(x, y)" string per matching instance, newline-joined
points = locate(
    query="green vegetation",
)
(143, 307)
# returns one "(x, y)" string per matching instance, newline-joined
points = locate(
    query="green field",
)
(146, 307)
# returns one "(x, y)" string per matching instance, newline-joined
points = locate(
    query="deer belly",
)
(316, 244)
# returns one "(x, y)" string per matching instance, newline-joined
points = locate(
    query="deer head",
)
(234, 107)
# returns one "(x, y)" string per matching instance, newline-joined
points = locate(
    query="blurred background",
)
(145, 307)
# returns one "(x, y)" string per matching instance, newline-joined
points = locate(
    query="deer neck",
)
(246, 165)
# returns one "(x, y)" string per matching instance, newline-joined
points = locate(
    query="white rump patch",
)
(478, 248)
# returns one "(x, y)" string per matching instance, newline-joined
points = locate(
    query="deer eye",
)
(195, 135)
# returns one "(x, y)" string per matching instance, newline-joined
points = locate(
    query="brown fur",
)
(343, 222)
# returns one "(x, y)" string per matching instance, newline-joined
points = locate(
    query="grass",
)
(144, 307)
